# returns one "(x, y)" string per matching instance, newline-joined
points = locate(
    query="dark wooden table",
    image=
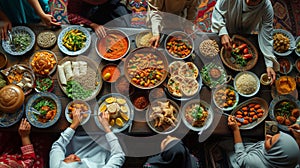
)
(139, 126)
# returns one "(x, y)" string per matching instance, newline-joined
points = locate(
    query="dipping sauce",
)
(140, 102)
(113, 46)
(110, 73)
(284, 62)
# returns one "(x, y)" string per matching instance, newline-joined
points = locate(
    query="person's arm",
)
(155, 19)
(46, 18)
(117, 156)
(294, 129)
(265, 40)
(28, 154)
(58, 149)
(192, 10)
(5, 26)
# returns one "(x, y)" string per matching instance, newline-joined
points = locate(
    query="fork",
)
(238, 119)
(11, 41)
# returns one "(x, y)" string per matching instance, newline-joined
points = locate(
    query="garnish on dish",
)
(47, 109)
(196, 114)
(241, 54)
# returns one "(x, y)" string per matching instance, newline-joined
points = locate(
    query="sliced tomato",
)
(247, 56)
(245, 51)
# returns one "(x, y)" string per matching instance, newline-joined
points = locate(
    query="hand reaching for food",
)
(154, 41)
(271, 73)
(295, 129)
(226, 42)
(104, 118)
(77, 118)
(232, 123)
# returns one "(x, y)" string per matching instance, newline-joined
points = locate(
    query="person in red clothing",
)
(95, 13)
(28, 157)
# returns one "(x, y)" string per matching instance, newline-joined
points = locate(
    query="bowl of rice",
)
(246, 83)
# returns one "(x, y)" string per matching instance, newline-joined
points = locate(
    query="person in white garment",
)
(243, 17)
(81, 151)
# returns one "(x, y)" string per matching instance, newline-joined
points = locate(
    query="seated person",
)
(15, 12)
(244, 17)
(173, 7)
(94, 13)
(27, 158)
(81, 151)
(174, 154)
(279, 150)
(295, 129)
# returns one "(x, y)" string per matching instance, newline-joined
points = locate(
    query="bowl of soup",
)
(114, 46)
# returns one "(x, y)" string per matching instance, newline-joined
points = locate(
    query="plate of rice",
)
(246, 83)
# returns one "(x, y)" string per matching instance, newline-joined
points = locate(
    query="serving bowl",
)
(225, 97)
(242, 83)
(143, 39)
(297, 64)
(43, 62)
(179, 45)
(285, 111)
(43, 84)
(23, 39)
(146, 68)
(191, 120)
(285, 62)
(43, 109)
(285, 85)
(156, 117)
(110, 73)
(83, 107)
(114, 46)
(68, 35)
(284, 42)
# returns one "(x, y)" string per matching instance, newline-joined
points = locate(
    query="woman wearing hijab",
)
(277, 151)
(243, 17)
(174, 154)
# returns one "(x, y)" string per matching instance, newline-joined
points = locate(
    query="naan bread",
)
(174, 85)
(174, 67)
(190, 87)
(189, 70)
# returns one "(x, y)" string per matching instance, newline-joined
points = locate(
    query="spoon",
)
(238, 119)
(35, 111)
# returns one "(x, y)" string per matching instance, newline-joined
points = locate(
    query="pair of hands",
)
(226, 43)
(103, 118)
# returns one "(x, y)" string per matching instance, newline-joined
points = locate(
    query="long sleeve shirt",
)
(26, 159)
(91, 153)
(232, 16)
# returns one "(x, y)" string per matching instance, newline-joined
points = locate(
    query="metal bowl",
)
(183, 37)
(110, 34)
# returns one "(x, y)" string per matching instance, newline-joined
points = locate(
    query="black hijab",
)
(175, 154)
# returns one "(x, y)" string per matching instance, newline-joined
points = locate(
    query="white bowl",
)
(84, 120)
(235, 94)
(257, 83)
(292, 41)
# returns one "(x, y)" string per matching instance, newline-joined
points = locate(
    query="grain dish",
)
(143, 39)
(209, 48)
(46, 39)
(246, 84)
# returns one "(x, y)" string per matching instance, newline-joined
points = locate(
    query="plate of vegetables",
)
(252, 111)
(243, 55)
(179, 45)
(285, 110)
(44, 84)
(146, 68)
(43, 109)
(22, 41)
(74, 40)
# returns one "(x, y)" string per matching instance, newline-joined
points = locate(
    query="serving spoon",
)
(238, 119)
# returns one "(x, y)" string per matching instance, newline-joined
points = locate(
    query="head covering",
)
(175, 154)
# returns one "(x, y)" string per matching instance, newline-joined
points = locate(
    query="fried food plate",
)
(248, 104)
(120, 109)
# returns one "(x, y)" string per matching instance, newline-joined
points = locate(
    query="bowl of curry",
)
(114, 46)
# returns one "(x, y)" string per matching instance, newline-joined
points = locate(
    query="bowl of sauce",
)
(110, 73)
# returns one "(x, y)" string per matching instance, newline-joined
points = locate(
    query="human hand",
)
(271, 73)
(99, 30)
(24, 128)
(232, 123)
(226, 42)
(154, 41)
(77, 118)
(104, 118)
(4, 28)
(50, 20)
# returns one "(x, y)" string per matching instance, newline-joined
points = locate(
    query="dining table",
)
(139, 128)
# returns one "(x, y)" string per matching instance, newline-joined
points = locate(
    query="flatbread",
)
(189, 70)
(174, 67)
(190, 86)
(174, 85)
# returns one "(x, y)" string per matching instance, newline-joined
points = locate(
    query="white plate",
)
(67, 51)
(292, 41)
(257, 83)
(18, 30)
(84, 120)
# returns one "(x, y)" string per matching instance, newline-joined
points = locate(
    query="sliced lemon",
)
(124, 109)
(119, 122)
(121, 101)
(124, 116)
(112, 122)
(110, 100)
(103, 108)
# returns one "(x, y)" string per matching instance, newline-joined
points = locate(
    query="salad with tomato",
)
(241, 54)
